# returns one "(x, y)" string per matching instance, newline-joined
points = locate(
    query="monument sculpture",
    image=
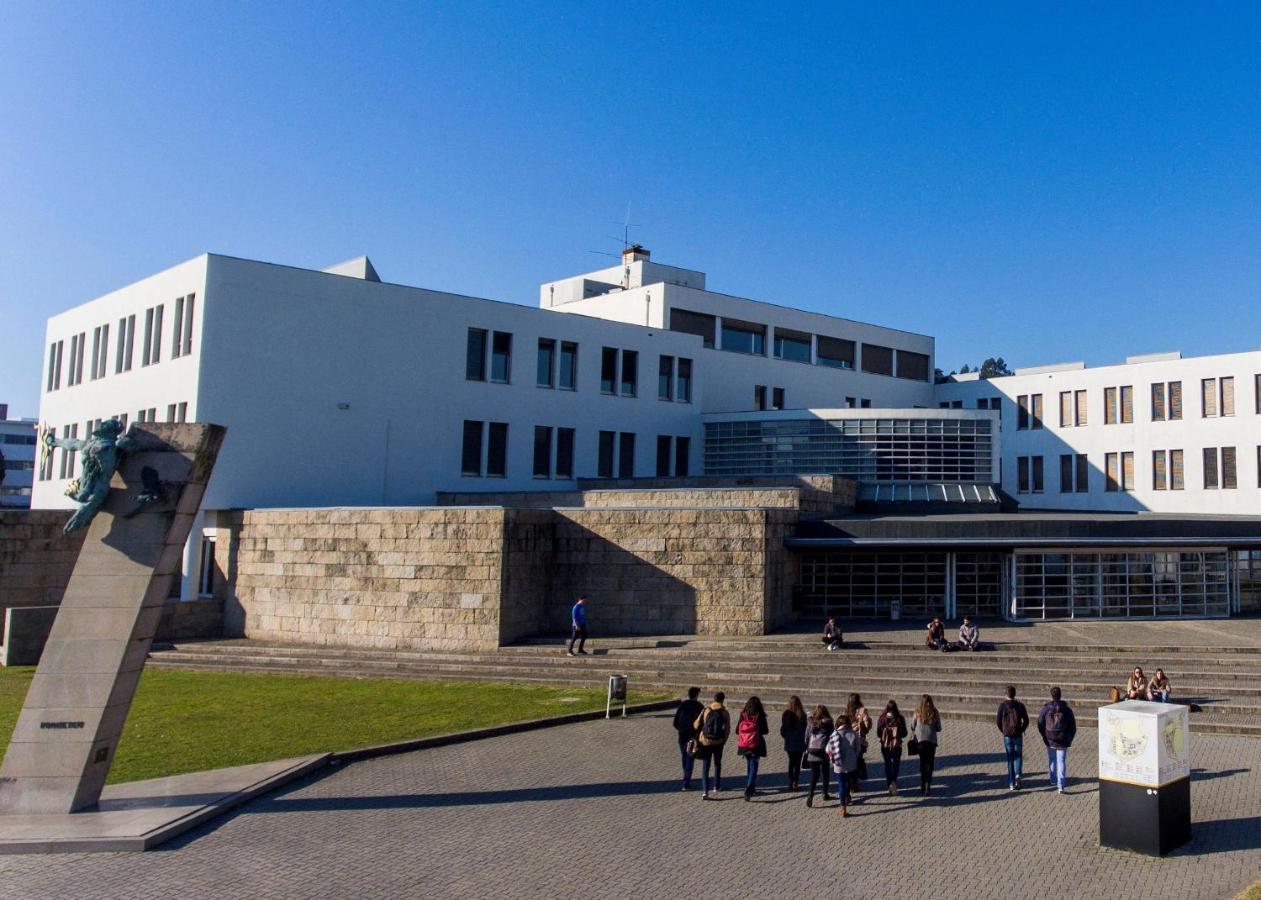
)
(101, 451)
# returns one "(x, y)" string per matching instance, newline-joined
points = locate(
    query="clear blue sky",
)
(1042, 183)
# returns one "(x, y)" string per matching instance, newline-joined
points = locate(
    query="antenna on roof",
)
(627, 225)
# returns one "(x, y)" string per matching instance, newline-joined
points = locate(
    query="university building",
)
(1060, 491)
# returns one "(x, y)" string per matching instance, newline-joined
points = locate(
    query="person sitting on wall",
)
(969, 635)
(936, 637)
(832, 636)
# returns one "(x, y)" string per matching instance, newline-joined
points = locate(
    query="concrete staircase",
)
(1223, 683)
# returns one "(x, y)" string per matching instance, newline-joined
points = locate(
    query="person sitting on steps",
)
(969, 635)
(1158, 689)
(936, 637)
(1136, 685)
(832, 636)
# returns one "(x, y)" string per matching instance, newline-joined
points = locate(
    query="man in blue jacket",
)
(1058, 727)
(578, 620)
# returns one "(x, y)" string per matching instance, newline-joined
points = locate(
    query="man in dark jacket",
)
(685, 724)
(1058, 727)
(1012, 721)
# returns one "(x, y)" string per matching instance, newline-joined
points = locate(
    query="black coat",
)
(685, 718)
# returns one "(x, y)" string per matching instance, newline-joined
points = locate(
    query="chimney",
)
(634, 253)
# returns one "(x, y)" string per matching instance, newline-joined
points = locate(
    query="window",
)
(1022, 474)
(1037, 474)
(1127, 471)
(759, 396)
(1175, 401)
(1066, 409)
(151, 352)
(1228, 395)
(1112, 481)
(1109, 406)
(46, 461)
(1158, 402)
(608, 370)
(851, 402)
(100, 352)
(684, 392)
(501, 358)
(1208, 398)
(543, 376)
(182, 334)
(1176, 480)
(1228, 479)
(743, 337)
(1256, 388)
(475, 355)
(877, 360)
(564, 453)
(1022, 412)
(912, 365)
(777, 398)
(55, 350)
(181, 413)
(672, 449)
(665, 378)
(1083, 474)
(471, 449)
(542, 451)
(126, 338)
(1210, 468)
(1066, 473)
(688, 322)
(1079, 398)
(1035, 403)
(568, 374)
(836, 353)
(663, 455)
(1127, 404)
(865, 403)
(67, 456)
(170, 412)
(497, 450)
(956, 404)
(792, 345)
(1160, 473)
(77, 344)
(630, 373)
(626, 455)
(604, 466)
(682, 452)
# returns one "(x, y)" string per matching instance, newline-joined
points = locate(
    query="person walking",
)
(843, 751)
(1159, 688)
(819, 729)
(925, 726)
(1058, 727)
(860, 721)
(578, 623)
(685, 724)
(792, 728)
(751, 733)
(890, 732)
(832, 636)
(1013, 721)
(713, 727)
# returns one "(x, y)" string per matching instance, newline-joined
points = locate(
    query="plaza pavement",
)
(594, 811)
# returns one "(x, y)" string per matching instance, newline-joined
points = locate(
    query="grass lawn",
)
(185, 721)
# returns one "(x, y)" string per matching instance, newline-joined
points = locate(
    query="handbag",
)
(692, 747)
(912, 746)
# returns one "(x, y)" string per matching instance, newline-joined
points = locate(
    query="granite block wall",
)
(35, 557)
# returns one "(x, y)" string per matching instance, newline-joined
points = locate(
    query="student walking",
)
(751, 734)
(578, 624)
(1013, 721)
(861, 723)
(713, 726)
(792, 728)
(818, 731)
(1058, 727)
(925, 726)
(685, 724)
(843, 751)
(890, 732)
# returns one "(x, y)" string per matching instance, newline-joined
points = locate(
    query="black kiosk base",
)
(1145, 819)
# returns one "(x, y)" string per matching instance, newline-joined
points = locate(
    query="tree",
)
(994, 368)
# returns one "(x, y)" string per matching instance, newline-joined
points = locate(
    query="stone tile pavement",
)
(593, 811)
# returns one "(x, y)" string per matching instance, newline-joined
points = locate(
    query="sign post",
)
(1144, 776)
(617, 693)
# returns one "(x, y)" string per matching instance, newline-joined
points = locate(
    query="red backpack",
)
(747, 733)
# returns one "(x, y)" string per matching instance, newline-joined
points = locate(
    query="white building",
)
(17, 447)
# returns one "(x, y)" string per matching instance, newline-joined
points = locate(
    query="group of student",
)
(1139, 687)
(837, 746)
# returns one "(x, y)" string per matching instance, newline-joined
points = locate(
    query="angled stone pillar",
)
(68, 730)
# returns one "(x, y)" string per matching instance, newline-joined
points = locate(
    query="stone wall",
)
(529, 545)
(35, 557)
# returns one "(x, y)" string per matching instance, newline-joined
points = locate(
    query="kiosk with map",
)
(1144, 776)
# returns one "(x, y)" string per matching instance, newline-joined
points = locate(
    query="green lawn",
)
(186, 721)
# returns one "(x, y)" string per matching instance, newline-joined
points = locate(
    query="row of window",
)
(150, 351)
(1168, 471)
(760, 396)
(1217, 398)
(175, 412)
(750, 337)
(484, 452)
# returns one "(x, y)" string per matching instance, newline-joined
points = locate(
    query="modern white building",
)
(17, 448)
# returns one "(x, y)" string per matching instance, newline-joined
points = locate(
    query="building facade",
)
(17, 458)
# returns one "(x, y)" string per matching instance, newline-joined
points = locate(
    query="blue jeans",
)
(688, 763)
(708, 754)
(750, 773)
(1160, 696)
(842, 786)
(1056, 764)
(1015, 750)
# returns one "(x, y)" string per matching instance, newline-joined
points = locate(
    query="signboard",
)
(1144, 744)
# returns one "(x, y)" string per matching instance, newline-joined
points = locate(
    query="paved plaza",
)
(594, 810)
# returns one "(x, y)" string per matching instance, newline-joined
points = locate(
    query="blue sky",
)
(1043, 183)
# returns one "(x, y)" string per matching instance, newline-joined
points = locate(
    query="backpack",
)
(818, 742)
(747, 733)
(1011, 720)
(889, 738)
(711, 727)
(1055, 723)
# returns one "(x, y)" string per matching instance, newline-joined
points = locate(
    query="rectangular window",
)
(608, 370)
(1022, 412)
(1037, 474)
(177, 342)
(1066, 409)
(126, 339)
(759, 396)
(568, 375)
(912, 365)
(682, 452)
(1035, 402)
(743, 337)
(1109, 406)
(626, 455)
(1083, 474)
(1066, 473)
(170, 412)
(1228, 395)
(497, 450)
(777, 398)
(1256, 389)
(864, 403)
(181, 413)
(542, 451)
(54, 365)
(77, 346)
(1127, 404)
(471, 449)
(687, 322)
(94, 371)
(1111, 472)
(1158, 401)
(877, 360)
(501, 359)
(604, 466)
(1022, 474)
(1229, 479)
(1208, 397)
(630, 373)
(663, 456)
(188, 323)
(564, 453)
(684, 392)
(851, 402)
(1160, 474)
(792, 345)
(543, 375)
(1080, 399)
(1175, 401)
(155, 350)
(665, 378)
(1210, 468)
(1127, 471)
(1177, 481)
(475, 355)
(835, 353)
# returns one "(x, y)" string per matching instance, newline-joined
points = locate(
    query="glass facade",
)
(862, 585)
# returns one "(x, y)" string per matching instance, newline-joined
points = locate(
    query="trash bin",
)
(895, 610)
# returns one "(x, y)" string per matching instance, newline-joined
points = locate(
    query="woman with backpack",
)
(861, 723)
(890, 732)
(818, 731)
(925, 726)
(843, 751)
(792, 728)
(751, 733)
(713, 727)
